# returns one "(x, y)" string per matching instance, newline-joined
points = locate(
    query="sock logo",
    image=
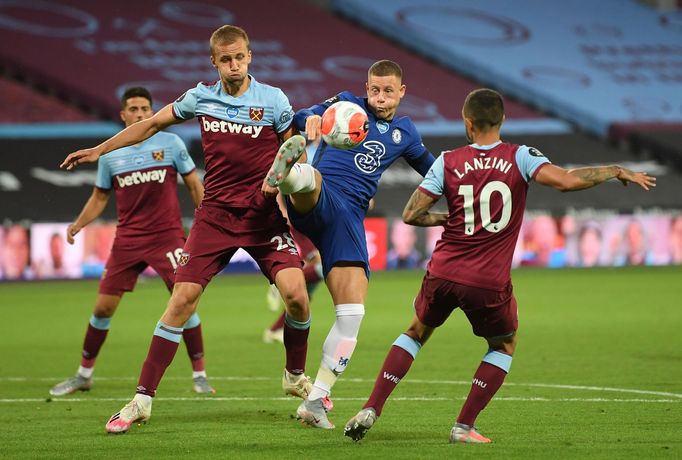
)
(343, 361)
(391, 378)
(480, 383)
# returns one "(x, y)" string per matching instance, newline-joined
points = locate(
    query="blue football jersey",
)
(356, 172)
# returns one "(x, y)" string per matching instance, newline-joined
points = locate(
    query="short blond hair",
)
(228, 34)
(386, 68)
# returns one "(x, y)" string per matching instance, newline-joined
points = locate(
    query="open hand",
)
(643, 179)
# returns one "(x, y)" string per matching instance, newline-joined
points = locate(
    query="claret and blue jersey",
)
(144, 177)
(239, 136)
(356, 172)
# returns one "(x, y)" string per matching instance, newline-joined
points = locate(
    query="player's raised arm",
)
(137, 132)
(310, 120)
(568, 180)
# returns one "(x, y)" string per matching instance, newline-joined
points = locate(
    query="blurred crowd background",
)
(585, 82)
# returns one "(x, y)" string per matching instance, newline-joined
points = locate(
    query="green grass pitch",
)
(597, 374)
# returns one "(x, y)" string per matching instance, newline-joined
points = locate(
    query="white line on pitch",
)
(246, 398)
(406, 381)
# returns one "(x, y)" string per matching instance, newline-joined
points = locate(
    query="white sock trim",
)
(349, 309)
(301, 178)
(86, 372)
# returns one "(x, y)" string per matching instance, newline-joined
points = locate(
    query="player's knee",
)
(296, 301)
(505, 344)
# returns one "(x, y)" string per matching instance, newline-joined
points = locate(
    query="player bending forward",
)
(149, 232)
(485, 186)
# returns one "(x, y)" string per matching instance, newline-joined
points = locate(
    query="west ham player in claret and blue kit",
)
(149, 232)
(242, 123)
(328, 200)
(485, 186)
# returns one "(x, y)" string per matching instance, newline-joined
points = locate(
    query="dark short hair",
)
(136, 91)
(485, 108)
(385, 68)
(228, 34)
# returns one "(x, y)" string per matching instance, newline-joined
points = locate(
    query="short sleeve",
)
(184, 107)
(103, 180)
(433, 182)
(182, 160)
(528, 160)
(284, 113)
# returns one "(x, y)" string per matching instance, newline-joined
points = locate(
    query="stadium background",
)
(594, 89)
(597, 372)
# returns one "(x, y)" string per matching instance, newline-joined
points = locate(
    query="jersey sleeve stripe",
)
(537, 170)
(428, 192)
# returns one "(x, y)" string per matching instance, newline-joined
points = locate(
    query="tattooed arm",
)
(417, 212)
(568, 180)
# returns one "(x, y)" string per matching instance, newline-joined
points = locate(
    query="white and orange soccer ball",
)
(344, 125)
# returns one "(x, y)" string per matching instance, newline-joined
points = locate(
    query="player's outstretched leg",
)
(358, 426)
(287, 155)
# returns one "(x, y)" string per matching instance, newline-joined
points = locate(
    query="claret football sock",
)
(192, 335)
(97, 331)
(487, 380)
(296, 344)
(164, 345)
(396, 365)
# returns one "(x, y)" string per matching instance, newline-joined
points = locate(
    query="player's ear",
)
(213, 61)
(122, 115)
(402, 90)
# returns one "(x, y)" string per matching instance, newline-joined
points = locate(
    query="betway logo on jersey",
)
(139, 177)
(223, 126)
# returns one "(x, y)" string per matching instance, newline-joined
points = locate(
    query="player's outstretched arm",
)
(195, 187)
(417, 211)
(91, 211)
(566, 180)
(133, 134)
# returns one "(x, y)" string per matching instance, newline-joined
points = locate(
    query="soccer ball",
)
(344, 125)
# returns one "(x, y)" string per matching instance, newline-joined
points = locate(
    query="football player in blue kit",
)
(327, 201)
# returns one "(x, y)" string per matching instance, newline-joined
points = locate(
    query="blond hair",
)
(228, 34)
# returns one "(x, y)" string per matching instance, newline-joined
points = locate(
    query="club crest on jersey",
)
(183, 259)
(158, 155)
(396, 136)
(256, 113)
(382, 126)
